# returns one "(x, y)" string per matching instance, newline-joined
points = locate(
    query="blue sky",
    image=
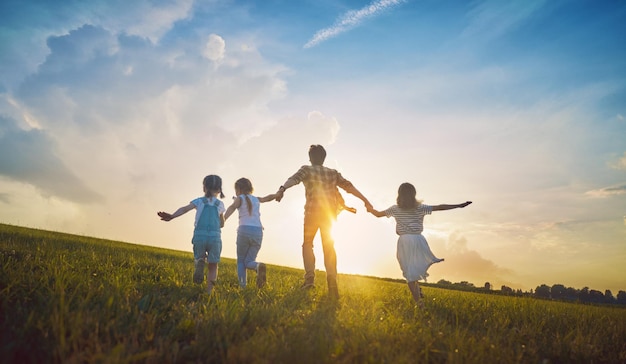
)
(113, 110)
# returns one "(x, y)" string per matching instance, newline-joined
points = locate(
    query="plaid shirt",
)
(320, 184)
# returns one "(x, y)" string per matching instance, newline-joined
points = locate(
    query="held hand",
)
(279, 195)
(465, 204)
(164, 216)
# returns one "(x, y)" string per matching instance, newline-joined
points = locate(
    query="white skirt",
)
(415, 257)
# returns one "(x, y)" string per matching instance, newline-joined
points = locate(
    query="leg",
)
(198, 272)
(214, 253)
(330, 257)
(250, 260)
(211, 276)
(254, 246)
(310, 229)
(242, 253)
(416, 292)
(254, 237)
(199, 257)
(261, 276)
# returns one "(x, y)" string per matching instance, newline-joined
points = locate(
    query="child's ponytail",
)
(245, 187)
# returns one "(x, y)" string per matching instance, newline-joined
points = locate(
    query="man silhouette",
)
(323, 202)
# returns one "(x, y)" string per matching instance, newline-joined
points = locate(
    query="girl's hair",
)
(212, 183)
(245, 186)
(406, 196)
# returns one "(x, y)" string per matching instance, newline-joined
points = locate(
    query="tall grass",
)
(71, 299)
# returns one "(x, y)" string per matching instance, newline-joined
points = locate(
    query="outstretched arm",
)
(235, 205)
(281, 190)
(450, 207)
(375, 212)
(353, 191)
(167, 217)
(268, 198)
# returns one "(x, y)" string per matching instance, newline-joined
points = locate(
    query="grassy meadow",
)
(74, 299)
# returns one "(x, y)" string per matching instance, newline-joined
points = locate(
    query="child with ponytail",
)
(249, 232)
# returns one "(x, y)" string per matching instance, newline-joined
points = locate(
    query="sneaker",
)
(307, 285)
(198, 273)
(261, 276)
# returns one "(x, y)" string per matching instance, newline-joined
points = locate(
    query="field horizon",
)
(70, 298)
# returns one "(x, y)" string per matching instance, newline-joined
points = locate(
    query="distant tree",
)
(466, 283)
(488, 286)
(557, 292)
(506, 290)
(621, 297)
(596, 296)
(571, 294)
(542, 291)
(608, 296)
(443, 282)
(583, 294)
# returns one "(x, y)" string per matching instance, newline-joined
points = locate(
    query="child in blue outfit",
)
(413, 252)
(207, 239)
(250, 230)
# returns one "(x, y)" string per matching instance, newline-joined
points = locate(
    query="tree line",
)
(555, 292)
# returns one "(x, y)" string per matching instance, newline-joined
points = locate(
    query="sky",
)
(113, 110)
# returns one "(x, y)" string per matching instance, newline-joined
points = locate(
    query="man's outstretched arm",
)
(354, 191)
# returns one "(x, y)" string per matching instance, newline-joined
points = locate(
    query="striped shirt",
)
(320, 184)
(409, 221)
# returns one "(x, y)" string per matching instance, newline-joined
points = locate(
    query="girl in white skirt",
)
(413, 252)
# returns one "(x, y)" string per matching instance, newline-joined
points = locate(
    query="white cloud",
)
(620, 163)
(462, 263)
(113, 109)
(31, 156)
(153, 19)
(29, 30)
(350, 20)
(215, 48)
(607, 191)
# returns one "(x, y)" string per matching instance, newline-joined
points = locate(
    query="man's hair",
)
(317, 154)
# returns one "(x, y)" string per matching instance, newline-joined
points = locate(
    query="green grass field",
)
(73, 299)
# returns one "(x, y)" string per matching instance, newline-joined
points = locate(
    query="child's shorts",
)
(209, 247)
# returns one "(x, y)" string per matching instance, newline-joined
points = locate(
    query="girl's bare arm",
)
(268, 198)
(375, 212)
(450, 207)
(235, 205)
(182, 210)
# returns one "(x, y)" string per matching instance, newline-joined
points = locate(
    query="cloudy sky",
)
(113, 110)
